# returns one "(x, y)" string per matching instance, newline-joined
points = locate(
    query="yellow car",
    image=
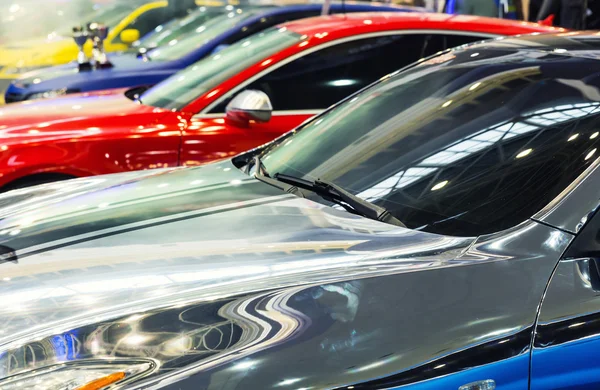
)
(127, 24)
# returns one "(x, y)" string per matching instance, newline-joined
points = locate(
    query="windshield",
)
(202, 34)
(465, 147)
(182, 88)
(172, 31)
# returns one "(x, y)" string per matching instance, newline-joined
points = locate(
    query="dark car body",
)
(217, 277)
(132, 70)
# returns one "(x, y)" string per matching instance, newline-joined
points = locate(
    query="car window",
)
(147, 21)
(454, 145)
(200, 36)
(322, 78)
(170, 32)
(266, 22)
(185, 86)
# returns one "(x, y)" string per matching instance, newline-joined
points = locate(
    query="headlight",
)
(79, 375)
(25, 69)
(48, 94)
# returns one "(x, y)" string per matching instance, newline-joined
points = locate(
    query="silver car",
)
(436, 230)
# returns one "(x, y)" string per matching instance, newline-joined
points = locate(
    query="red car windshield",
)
(184, 87)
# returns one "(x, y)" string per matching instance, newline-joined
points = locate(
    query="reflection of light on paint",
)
(576, 324)
(6, 279)
(342, 82)
(134, 318)
(438, 367)
(594, 135)
(95, 346)
(287, 382)
(554, 240)
(439, 185)
(474, 54)
(87, 300)
(135, 339)
(178, 345)
(236, 182)
(590, 154)
(446, 104)
(196, 182)
(573, 137)
(244, 365)
(524, 153)
(373, 365)
(474, 86)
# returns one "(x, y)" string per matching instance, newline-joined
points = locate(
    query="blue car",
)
(221, 27)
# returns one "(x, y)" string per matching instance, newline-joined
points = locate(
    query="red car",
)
(279, 78)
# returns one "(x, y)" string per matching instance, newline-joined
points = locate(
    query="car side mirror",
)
(130, 35)
(249, 105)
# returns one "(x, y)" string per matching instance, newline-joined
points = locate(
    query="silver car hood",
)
(84, 255)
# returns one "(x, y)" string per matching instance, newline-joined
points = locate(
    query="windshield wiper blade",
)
(262, 175)
(336, 194)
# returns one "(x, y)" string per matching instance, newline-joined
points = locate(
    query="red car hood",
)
(36, 115)
(70, 117)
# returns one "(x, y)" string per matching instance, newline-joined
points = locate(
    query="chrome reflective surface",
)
(227, 283)
(250, 105)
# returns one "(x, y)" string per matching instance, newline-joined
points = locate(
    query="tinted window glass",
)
(587, 242)
(172, 31)
(266, 22)
(457, 40)
(182, 88)
(202, 35)
(455, 145)
(322, 78)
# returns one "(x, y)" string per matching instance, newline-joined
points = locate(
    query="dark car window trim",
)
(326, 45)
(571, 209)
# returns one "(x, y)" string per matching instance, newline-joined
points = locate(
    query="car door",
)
(299, 89)
(566, 353)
